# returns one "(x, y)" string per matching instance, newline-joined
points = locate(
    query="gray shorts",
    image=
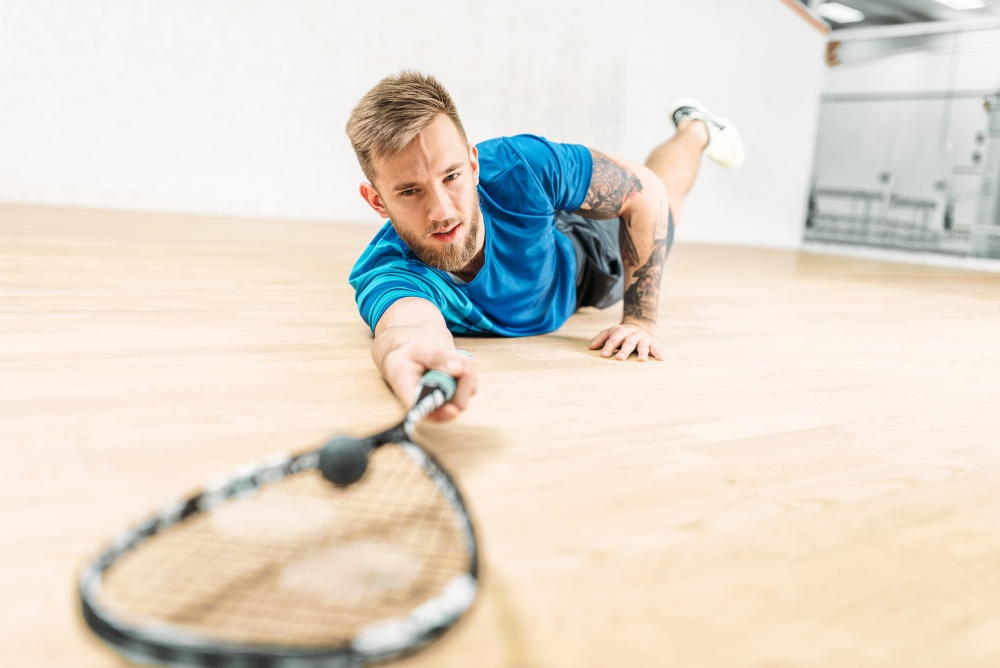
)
(600, 276)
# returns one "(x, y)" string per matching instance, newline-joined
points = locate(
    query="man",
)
(511, 236)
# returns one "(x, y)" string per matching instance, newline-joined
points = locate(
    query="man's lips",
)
(447, 235)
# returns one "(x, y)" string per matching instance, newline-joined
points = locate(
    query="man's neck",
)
(471, 270)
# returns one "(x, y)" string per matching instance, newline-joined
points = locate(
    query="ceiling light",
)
(839, 13)
(963, 4)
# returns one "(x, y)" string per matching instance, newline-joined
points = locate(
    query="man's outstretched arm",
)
(410, 338)
(637, 197)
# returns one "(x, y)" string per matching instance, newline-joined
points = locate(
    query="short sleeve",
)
(377, 290)
(385, 274)
(561, 171)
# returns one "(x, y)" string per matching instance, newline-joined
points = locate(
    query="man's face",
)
(428, 191)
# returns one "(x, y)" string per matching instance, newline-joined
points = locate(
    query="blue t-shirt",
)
(527, 284)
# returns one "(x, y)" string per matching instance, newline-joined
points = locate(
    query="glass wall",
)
(907, 171)
(908, 143)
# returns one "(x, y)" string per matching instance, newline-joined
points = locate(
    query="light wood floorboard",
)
(810, 479)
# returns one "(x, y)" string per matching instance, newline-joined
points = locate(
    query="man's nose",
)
(440, 206)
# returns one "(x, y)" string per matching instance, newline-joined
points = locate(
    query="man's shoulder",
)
(511, 141)
(385, 248)
(388, 258)
(530, 174)
(386, 241)
(515, 165)
(499, 153)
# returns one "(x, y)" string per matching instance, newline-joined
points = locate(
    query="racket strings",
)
(301, 562)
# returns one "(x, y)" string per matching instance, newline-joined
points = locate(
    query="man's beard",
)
(447, 257)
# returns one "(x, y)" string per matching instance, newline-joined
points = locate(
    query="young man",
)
(511, 236)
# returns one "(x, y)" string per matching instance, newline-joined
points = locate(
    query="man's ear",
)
(373, 198)
(474, 161)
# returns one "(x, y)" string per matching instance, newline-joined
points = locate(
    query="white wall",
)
(238, 106)
(756, 62)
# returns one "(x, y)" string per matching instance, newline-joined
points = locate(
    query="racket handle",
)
(436, 380)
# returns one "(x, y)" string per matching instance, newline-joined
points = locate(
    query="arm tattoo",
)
(642, 287)
(642, 295)
(611, 185)
(630, 253)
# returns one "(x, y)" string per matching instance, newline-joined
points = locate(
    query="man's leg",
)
(600, 272)
(676, 161)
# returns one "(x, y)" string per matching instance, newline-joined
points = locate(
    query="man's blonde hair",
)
(393, 113)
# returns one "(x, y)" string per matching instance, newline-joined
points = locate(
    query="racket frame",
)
(161, 644)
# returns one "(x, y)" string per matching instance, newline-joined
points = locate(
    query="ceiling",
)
(892, 12)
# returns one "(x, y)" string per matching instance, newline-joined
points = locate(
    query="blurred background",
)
(908, 139)
(869, 124)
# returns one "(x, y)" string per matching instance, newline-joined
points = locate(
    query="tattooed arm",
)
(638, 198)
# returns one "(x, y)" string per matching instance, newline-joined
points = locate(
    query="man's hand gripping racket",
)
(339, 557)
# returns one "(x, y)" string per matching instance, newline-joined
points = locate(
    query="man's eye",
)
(408, 192)
(451, 177)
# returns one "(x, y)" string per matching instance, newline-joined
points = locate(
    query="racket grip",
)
(436, 380)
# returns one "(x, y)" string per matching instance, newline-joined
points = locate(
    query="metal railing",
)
(879, 219)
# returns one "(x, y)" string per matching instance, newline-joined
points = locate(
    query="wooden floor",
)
(811, 478)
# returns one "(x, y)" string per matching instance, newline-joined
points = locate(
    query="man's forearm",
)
(643, 269)
(638, 198)
(409, 323)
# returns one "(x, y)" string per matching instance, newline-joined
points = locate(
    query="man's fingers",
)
(405, 385)
(628, 345)
(462, 369)
(467, 381)
(404, 374)
(599, 340)
(613, 343)
(445, 413)
(621, 341)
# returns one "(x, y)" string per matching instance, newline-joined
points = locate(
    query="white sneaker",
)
(724, 143)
